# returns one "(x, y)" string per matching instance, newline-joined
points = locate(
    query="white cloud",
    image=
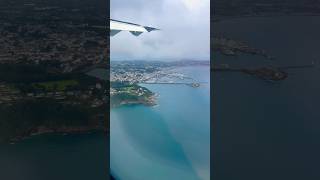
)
(184, 28)
(195, 5)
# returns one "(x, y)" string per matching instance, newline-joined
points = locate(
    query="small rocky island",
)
(231, 47)
(266, 73)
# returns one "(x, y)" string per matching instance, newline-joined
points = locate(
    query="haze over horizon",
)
(184, 34)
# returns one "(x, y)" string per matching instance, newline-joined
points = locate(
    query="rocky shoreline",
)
(150, 102)
(41, 130)
(230, 47)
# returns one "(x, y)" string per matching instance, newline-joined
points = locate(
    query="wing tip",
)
(149, 29)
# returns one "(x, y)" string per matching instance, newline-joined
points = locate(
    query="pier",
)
(193, 84)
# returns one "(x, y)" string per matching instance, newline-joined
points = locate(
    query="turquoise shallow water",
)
(167, 141)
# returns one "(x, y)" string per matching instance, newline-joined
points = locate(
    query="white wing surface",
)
(135, 29)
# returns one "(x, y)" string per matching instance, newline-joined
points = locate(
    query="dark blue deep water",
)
(56, 157)
(266, 130)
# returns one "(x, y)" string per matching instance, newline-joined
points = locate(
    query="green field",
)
(56, 85)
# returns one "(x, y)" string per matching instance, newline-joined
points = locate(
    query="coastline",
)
(41, 130)
(150, 102)
(167, 128)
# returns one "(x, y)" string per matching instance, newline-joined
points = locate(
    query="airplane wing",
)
(135, 29)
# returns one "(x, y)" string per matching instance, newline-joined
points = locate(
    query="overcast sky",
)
(184, 24)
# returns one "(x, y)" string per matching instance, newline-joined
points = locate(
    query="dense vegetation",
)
(23, 117)
(129, 94)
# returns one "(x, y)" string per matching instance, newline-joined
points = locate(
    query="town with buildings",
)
(127, 78)
(46, 49)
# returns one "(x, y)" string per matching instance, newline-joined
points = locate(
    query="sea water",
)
(168, 141)
(268, 130)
